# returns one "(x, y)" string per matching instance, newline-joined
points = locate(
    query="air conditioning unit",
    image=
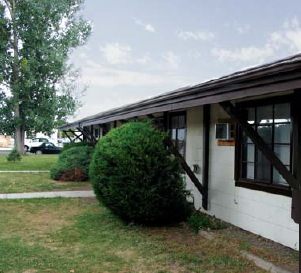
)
(223, 131)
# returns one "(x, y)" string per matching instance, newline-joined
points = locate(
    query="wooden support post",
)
(104, 129)
(260, 143)
(87, 134)
(166, 121)
(183, 162)
(185, 166)
(206, 138)
(77, 136)
(71, 131)
(296, 122)
(90, 135)
(66, 133)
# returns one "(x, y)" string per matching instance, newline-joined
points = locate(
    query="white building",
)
(241, 137)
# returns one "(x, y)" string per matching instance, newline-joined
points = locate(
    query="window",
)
(96, 133)
(178, 131)
(49, 145)
(272, 121)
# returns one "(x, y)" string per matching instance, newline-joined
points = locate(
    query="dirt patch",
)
(186, 246)
(268, 250)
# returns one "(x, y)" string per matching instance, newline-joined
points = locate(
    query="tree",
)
(36, 82)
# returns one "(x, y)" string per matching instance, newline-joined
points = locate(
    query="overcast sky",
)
(141, 48)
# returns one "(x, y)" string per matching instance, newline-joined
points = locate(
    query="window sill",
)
(255, 185)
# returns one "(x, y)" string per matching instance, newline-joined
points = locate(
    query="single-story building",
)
(5, 141)
(239, 137)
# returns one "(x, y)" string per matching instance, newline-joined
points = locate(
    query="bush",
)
(137, 177)
(14, 156)
(76, 144)
(73, 164)
(198, 221)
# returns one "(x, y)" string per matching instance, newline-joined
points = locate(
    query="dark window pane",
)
(221, 131)
(263, 168)
(282, 112)
(182, 122)
(266, 133)
(282, 133)
(248, 170)
(278, 179)
(174, 122)
(283, 152)
(248, 153)
(265, 114)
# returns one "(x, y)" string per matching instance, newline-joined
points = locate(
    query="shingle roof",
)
(281, 74)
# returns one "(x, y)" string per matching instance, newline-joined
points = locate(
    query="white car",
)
(34, 142)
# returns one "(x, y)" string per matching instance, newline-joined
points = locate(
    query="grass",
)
(79, 235)
(29, 163)
(35, 182)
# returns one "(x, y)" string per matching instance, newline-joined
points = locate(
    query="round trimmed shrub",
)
(76, 144)
(73, 164)
(137, 177)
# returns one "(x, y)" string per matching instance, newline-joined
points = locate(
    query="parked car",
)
(34, 142)
(46, 148)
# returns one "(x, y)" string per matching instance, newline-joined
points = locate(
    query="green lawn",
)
(79, 235)
(29, 162)
(34, 182)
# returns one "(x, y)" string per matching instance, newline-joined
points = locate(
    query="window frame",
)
(256, 184)
(176, 114)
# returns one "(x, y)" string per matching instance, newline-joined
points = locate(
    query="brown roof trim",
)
(282, 75)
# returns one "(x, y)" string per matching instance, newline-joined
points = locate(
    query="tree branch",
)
(8, 7)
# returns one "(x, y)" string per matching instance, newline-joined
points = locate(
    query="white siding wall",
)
(262, 213)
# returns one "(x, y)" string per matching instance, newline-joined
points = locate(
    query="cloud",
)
(172, 59)
(197, 35)
(150, 28)
(287, 39)
(102, 77)
(147, 27)
(116, 53)
(245, 54)
(289, 36)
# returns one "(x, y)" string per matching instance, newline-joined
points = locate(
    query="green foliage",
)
(137, 177)
(73, 165)
(76, 144)
(198, 221)
(14, 156)
(37, 75)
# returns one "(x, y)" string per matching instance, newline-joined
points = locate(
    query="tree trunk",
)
(19, 131)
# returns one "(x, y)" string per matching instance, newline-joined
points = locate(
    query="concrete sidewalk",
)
(53, 194)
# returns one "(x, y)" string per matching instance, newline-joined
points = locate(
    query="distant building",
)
(5, 141)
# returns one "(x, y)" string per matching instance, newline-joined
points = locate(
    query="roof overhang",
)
(280, 76)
